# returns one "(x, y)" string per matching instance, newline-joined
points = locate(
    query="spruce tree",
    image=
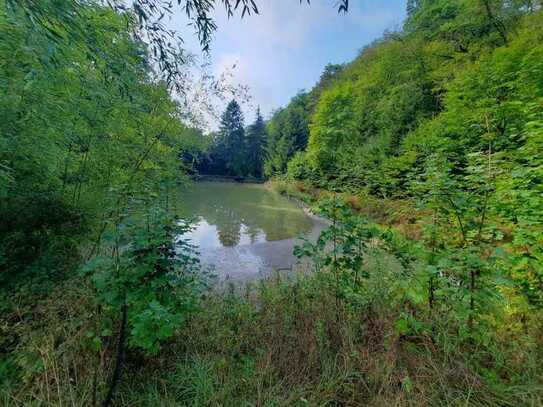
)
(231, 140)
(255, 140)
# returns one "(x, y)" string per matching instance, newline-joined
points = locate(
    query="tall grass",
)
(280, 342)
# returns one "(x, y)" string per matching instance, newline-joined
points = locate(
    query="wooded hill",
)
(446, 114)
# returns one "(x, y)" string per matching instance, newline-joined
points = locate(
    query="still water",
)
(245, 231)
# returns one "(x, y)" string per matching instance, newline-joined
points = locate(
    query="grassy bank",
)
(303, 341)
(289, 343)
(403, 215)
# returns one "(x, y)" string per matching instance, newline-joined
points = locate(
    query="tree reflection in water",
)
(244, 213)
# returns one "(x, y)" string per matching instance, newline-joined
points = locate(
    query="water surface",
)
(245, 231)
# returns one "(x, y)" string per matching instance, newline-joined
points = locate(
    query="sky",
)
(285, 48)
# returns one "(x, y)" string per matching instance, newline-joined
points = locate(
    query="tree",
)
(92, 167)
(288, 129)
(255, 142)
(230, 143)
(288, 132)
(332, 128)
(329, 74)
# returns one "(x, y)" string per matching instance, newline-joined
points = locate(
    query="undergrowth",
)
(289, 342)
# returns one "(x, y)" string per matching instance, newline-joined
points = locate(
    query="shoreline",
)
(226, 179)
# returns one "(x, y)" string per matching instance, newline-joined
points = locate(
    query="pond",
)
(246, 231)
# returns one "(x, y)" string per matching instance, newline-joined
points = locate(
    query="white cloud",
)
(285, 47)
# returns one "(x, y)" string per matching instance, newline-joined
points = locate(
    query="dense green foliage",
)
(445, 114)
(287, 134)
(89, 147)
(288, 130)
(436, 130)
(383, 104)
(73, 131)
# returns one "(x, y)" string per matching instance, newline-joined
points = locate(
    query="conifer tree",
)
(231, 140)
(255, 140)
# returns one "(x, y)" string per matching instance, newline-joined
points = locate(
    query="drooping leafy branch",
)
(58, 19)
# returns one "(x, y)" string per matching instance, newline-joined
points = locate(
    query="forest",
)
(424, 154)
